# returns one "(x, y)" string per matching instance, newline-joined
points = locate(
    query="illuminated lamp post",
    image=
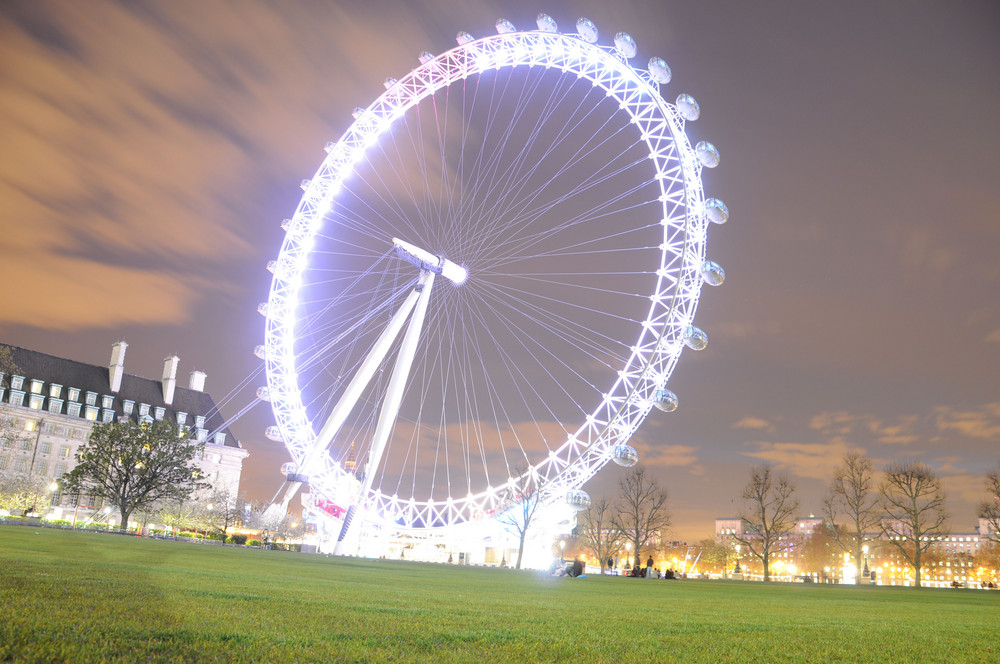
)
(737, 570)
(865, 572)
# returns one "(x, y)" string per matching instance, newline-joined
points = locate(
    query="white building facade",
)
(49, 405)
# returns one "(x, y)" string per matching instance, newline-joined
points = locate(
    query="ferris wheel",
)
(491, 276)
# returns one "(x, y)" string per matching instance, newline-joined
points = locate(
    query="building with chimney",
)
(49, 404)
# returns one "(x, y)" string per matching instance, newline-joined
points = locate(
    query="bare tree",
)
(989, 509)
(854, 496)
(641, 509)
(769, 505)
(222, 510)
(600, 536)
(520, 505)
(913, 502)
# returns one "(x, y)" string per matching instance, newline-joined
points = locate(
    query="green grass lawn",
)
(79, 597)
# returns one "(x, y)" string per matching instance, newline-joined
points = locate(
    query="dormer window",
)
(220, 439)
(73, 409)
(36, 386)
(91, 413)
(16, 382)
(158, 413)
(107, 415)
(181, 418)
(91, 398)
(128, 406)
(16, 398)
(201, 435)
(35, 402)
(74, 394)
(55, 391)
(107, 401)
(144, 410)
(199, 421)
(55, 405)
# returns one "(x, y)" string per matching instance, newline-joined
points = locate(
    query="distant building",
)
(52, 403)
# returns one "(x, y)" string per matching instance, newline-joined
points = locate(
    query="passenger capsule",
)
(259, 351)
(707, 153)
(425, 57)
(716, 211)
(688, 107)
(389, 82)
(695, 338)
(659, 71)
(665, 400)
(712, 273)
(263, 394)
(578, 500)
(546, 23)
(262, 309)
(289, 468)
(625, 45)
(358, 112)
(271, 265)
(586, 28)
(624, 455)
(505, 27)
(286, 224)
(463, 38)
(305, 184)
(273, 433)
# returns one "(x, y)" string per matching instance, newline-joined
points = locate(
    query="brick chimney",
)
(117, 367)
(170, 378)
(197, 381)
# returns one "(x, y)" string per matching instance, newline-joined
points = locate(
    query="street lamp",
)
(865, 550)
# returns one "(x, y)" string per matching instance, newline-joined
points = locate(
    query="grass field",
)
(88, 597)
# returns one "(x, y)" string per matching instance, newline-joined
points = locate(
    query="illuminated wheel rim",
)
(557, 174)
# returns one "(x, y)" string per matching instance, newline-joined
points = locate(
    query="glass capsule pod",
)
(546, 23)
(707, 153)
(659, 71)
(665, 400)
(716, 211)
(695, 338)
(578, 499)
(273, 433)
(463, 38)
(688, 107)
(712, 273)
(586, 29)
(505, 27)
(625, 45)
(263, 394)
(624, 455)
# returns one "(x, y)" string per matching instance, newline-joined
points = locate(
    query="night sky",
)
(150, 150)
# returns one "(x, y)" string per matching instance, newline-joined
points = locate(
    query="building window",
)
(199, 421)
(36, 401)
(30, 425)
(45, 447)
(127, 406)
(158, 413)
(55, 405)
(220, 439)
(55, 391)
(145, 420)
(144, 410)
(22, 465)
(42, 466)
(60, 469)
(64, 451)
(77, 433)
(73, 409)
(91, 398)
(16, 382)
(107, 401)
(48, 428)
(36, 386)
(25, 444)
(107, 415)
(74, 394)
(92, 413)
(181, 418)
(3, 462)
(201, 435)
(16, 398)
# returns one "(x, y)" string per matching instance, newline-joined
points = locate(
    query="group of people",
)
(647, 572)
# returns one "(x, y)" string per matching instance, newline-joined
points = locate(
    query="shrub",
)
(253, 542)
(239, 539)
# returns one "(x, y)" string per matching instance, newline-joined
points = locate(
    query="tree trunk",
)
(520, 551)
(124, 515)
(767, 568)
(916, 566)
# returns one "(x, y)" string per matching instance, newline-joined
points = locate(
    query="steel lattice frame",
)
(660, 127)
